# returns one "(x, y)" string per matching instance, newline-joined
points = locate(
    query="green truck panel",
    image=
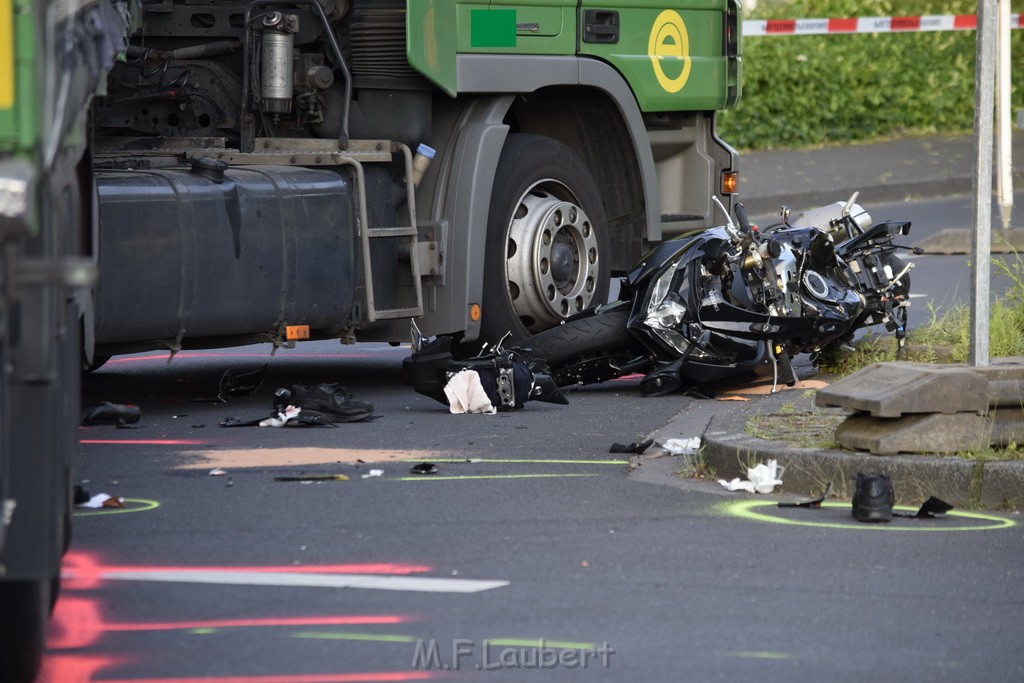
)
(673, 53)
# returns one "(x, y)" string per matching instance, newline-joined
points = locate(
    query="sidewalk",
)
(894, 170)
(883, 172)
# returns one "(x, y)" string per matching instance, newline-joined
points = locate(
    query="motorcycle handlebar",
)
(741, 218)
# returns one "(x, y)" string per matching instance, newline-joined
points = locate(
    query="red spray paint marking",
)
(78, 623)
(367, 677)
(145, 442)
(262, 356)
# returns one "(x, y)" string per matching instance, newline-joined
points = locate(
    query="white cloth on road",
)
(466, 394)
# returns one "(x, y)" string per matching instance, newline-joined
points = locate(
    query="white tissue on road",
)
(762, 478)
(682, 446)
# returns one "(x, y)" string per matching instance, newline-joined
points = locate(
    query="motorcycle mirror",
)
(850, 203)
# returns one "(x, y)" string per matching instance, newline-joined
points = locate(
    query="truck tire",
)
(25, 609)
(547, 253)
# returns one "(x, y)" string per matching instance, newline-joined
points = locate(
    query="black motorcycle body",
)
(725, 301)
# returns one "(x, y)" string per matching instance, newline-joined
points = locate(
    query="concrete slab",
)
(928, 433)
(895, 389)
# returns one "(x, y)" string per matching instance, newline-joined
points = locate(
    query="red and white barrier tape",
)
(790, 27)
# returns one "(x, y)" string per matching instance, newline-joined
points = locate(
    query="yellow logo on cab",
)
(670, 46)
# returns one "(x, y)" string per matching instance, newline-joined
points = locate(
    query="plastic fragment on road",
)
(218, 472)
(761, 478)
(682, 446)
(424, 468)
(637, 448)
(236, 383)
(315, 477)
(107, 413)
(373, 473)
(813, 503)
(466, 394)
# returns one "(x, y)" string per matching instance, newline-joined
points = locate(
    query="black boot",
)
(873, 499)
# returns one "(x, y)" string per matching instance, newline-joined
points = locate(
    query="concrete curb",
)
(728, 449)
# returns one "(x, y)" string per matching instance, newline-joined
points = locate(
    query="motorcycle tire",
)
(581, 341)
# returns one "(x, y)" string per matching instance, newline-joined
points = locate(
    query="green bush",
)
(811, 90)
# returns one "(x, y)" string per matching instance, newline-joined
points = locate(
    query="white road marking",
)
(424, 584)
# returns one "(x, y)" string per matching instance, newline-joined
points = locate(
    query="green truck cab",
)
(186, 174)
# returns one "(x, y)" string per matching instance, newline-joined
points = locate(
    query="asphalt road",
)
(531, 552)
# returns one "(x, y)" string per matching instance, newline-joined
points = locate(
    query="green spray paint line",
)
(371, 637)
(759, 655)
(144, 505)
(745, 509)
(539, 643)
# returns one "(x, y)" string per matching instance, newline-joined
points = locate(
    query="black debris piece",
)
(813, 503)
(424, 468)
(237, 383)
(931, 507)
(80, 496)
(324, 405)
(106, 413)
(637, 448)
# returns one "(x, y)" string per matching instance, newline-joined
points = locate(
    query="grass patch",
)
(1010, 452)
(802, 430)
(697, 467)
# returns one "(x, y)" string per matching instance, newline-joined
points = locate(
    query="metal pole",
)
(1004, 162)
(981, 241)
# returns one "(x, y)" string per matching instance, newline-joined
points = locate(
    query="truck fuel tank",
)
(217, 252)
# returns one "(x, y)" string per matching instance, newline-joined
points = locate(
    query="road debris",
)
(688, 446)
(218, 472)
(507, 378)
(761, 478)
(322, 405)
(317, 477)
(635, 447)
(238, 383)
(102, 500)
(106, 413)
(813, 503)
(373, 473)
(466, 394)
(424, 468)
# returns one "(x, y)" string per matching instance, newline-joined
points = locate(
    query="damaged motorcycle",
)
(735, 299)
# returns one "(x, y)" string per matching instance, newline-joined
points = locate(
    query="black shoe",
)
(330, 399)
(873, 499)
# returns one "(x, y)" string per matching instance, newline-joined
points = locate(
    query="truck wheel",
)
(547, 240)
(25, 609)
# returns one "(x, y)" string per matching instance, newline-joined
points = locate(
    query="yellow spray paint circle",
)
(978, 521)
(670, 44)
(130, 505)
